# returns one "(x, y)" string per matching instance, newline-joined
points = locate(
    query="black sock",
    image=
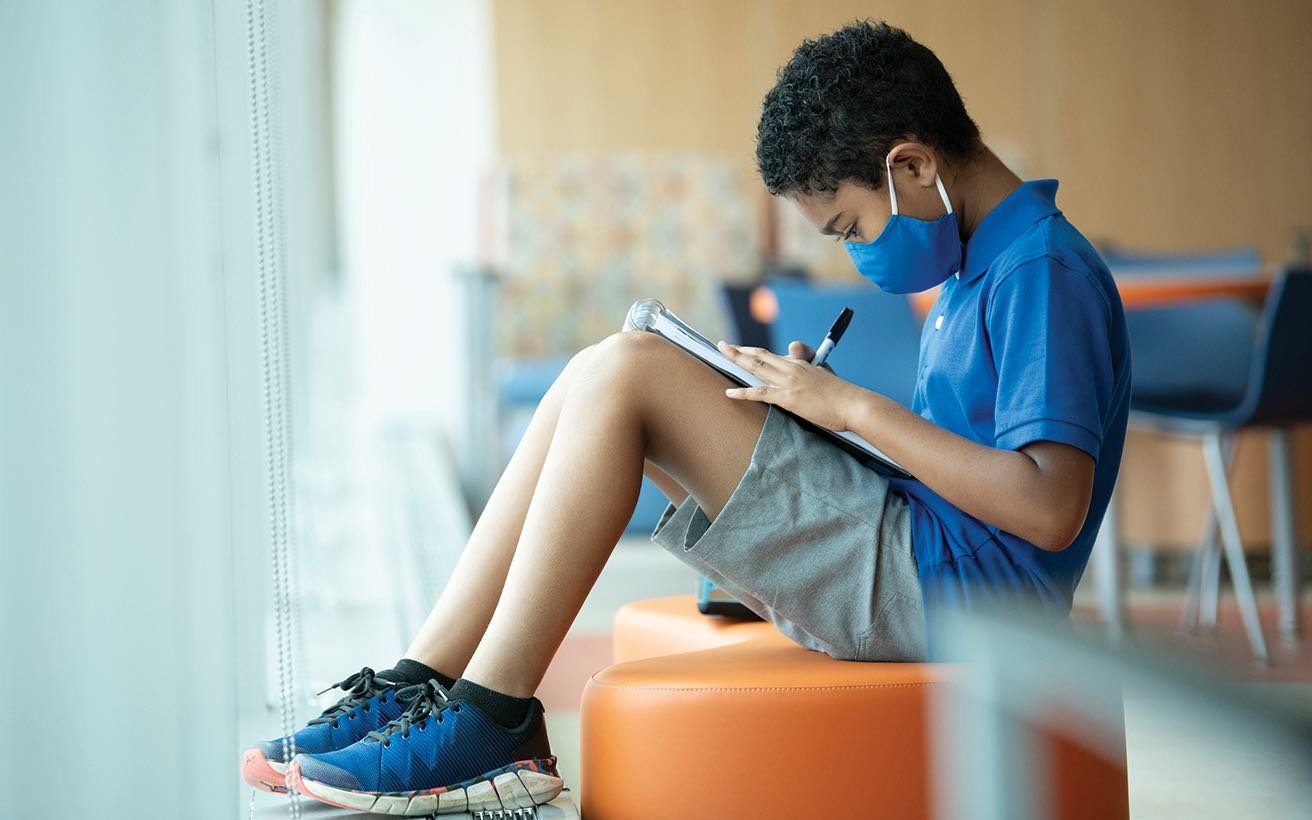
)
(407, 671)
(507, 710)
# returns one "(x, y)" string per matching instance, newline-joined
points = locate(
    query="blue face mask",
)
(910, 254)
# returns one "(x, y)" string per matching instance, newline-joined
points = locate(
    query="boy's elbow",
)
(1060, 499)
(1056, 540)
(1060, 529)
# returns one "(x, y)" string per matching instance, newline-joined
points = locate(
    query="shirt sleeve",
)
(1049, 328)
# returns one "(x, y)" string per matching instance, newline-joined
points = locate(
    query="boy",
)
(1019, 418)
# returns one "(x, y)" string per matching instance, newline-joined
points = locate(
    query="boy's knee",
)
(626, 350)
(624, 366)
(581, 358)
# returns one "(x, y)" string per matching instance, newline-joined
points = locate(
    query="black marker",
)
(831, 338)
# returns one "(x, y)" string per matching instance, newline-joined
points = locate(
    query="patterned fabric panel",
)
(576, 240)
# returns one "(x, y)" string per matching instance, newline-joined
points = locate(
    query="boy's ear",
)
(919, 160)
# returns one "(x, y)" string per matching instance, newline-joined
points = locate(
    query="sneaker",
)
(370, 703)
(440, 757)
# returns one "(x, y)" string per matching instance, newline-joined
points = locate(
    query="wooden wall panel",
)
(1171, 123)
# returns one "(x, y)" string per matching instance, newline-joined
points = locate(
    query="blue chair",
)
(1202, 348)
(1278, 395)
(881, 347)
(1197, 354)
(1194, 354)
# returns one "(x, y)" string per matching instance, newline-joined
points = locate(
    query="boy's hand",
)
(803, 351)
(793, 383)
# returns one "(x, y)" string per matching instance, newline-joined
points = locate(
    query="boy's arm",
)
(1040, 492)
(1048, 328)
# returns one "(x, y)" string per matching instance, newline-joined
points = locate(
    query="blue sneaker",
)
(441, 757)
(370, 703)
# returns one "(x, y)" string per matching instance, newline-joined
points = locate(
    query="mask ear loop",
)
(888, 177)
(892, 192)
(941, 192)
(947, 203)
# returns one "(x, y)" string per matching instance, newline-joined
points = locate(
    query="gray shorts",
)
(813, 542)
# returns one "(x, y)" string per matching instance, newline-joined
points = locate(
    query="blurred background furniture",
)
(686, 695)
(1278, 395)
(1197, 351)
(1191, 319)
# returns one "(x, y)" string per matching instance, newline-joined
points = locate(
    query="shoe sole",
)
(520, 785)
(262, 773)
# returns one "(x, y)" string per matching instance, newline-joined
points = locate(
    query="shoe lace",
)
(359, 688)
(430, 699)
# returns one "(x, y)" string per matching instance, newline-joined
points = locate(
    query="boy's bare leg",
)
(458, 620)
(639, 398)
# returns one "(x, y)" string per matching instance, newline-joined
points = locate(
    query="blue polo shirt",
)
(1026, 343)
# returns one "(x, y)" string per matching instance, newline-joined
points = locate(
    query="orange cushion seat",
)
(664, 626)
(746, 723)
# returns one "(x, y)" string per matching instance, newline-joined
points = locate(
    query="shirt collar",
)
(1032, 201)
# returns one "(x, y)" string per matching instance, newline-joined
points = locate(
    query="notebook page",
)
(704, 349)
(701, 347)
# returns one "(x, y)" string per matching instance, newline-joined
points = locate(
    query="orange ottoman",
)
(664, 626)
(750, 724)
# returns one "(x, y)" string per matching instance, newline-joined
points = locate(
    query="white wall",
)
(131, 472)
(133, 508)
(414, 128)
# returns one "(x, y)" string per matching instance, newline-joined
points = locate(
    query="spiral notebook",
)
(652, 316)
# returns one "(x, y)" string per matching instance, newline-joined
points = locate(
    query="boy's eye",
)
(848, 234)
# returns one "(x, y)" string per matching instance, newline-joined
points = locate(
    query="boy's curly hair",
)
(843, 99)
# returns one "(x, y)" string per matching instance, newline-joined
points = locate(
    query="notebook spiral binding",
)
(642, 313)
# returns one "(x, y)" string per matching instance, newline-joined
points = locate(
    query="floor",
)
(1179, 770)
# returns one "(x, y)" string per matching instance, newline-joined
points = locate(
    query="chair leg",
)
(1284, 539)
(1213, 451)
(1210, 566)
(1210, 554)
(1201, 575)
(1106, 548)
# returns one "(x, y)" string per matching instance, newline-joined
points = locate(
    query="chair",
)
(1195, 353)
(1278, 396)
(881, 347)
